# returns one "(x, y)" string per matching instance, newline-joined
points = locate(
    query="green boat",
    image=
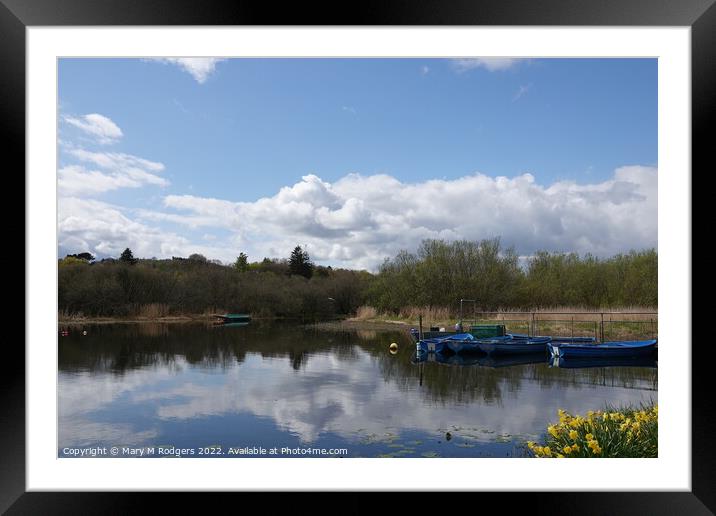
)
(231, 318)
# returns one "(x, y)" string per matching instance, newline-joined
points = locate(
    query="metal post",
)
(420, 326)
(532, 330)
(572, 327)
(601, 329)
(653, 331)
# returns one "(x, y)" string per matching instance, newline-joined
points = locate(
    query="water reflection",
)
(274, 385)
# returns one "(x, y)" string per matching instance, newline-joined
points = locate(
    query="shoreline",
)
(349, 324)
(619, 330)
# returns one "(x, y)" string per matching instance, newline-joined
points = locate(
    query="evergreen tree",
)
(128, 257)
(242, 262)
(300, 263)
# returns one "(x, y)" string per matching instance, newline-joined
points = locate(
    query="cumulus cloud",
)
(102, 129)
(492, 64)
(359, 220)
(356, 221)
(198, 67)
(105, 229)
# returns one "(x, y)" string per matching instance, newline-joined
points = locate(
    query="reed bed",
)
(152, 310)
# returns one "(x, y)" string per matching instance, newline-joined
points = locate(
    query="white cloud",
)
(359, 220)
(116, 160)
(101, 128)
(119, 171)
(106, 230)
(76, 180)
(198, 67)
(492, 64)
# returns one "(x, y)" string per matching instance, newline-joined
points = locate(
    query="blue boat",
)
(447, 344)
(636, 348)
(467, 343)
(479, 331)
(574, 340)
(513, 345)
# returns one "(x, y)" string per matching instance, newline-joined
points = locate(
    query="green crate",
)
(484, 331)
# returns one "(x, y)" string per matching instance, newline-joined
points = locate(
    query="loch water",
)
(288, 390)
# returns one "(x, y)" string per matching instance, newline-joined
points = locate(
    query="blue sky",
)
(193, 155)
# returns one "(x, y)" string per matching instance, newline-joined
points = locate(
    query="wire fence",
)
(603, 326)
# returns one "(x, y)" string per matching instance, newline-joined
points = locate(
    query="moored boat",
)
(467, 343)
(479, 331)
(573, 340)
(514, 346)
(447, 343)
(231, 318)
(635, 348)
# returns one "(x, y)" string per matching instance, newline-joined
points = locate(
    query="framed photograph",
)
(430, 251)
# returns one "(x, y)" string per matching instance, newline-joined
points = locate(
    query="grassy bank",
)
(623, 432)
(630, 322)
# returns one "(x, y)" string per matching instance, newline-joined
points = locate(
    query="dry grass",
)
(366, 312)
(153, 310)
(579, 313)
(208, 312)
(429, 313)
(623, 323)
(65, 315)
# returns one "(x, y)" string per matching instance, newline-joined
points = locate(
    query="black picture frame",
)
(16, 15)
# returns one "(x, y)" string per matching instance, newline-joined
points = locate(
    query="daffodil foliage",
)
(625, 432)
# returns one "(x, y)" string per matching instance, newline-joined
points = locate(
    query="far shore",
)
(349, 324)
(624, 326)
(116, 320)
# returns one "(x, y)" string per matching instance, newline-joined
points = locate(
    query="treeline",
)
(438, 274)
(441, 273)
(195, 285)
